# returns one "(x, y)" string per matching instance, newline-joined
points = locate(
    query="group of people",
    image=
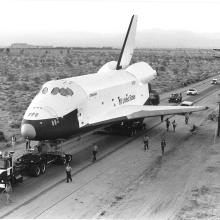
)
(168, 124)
(173, 123)
(146, 144)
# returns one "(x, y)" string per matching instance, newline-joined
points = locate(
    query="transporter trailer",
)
(33, 163)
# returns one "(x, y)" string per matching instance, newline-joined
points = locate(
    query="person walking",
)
(8, 191)
(174, 125)
(27, 144)
(193, 129)
(181, 97)
(186, 118)
(167, 124)
(68, 173)
(13, 141)
(161, 118)
(146, 142)
(94, 152)
(163, 145)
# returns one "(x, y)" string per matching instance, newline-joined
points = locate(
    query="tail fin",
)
(128, 45)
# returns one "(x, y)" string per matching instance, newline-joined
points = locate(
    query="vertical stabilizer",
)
(128, 45)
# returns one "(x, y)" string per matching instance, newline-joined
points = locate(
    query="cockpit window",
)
(63, 92)
(45, 90)
(55, 91)
(69, 92)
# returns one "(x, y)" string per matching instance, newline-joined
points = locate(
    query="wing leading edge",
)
(135, 112)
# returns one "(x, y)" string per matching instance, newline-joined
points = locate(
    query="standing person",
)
(161, 118)
(181, 97)
(68, 173)
(8, 190)
(94, 152)
(186, 118)
(27, 144)
(39, 146)
(193, 128)
(174, 125)
(167, 124)
(146, 142)
(13, 141)
(163, 145)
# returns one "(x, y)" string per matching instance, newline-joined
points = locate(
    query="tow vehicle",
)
(33, 163)
(9, 172)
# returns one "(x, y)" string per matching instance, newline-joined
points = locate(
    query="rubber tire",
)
(69, 158)
(135, 131)
(63, 161)
(35, 170)
(42, 168)
(132, 132)
(21, 180)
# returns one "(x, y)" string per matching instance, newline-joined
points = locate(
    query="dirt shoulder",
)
(184, 184)
(202, 201)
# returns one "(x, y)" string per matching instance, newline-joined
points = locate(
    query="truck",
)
(32, 163)
(175, 97)
(9, 172)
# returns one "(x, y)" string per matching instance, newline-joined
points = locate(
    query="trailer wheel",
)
(21, 180)
(35, 170)
(42, 168)
(13, 181)
(68, 158)
(132, 132)
(63, 161)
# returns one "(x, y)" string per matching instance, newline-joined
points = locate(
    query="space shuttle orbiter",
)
(118, 92)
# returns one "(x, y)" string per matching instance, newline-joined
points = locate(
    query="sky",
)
(56, 21)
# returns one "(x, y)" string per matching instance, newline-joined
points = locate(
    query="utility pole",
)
(218, 132)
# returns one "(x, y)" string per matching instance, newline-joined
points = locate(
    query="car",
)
(214, 81)
(191, 92)
(175, 97)
(186, 103)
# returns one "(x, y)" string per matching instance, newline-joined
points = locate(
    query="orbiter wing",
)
(129, 112)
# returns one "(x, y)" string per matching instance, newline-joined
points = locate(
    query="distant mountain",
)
(155, 38)
(150, 39)
(177, 39)
(24, 45)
